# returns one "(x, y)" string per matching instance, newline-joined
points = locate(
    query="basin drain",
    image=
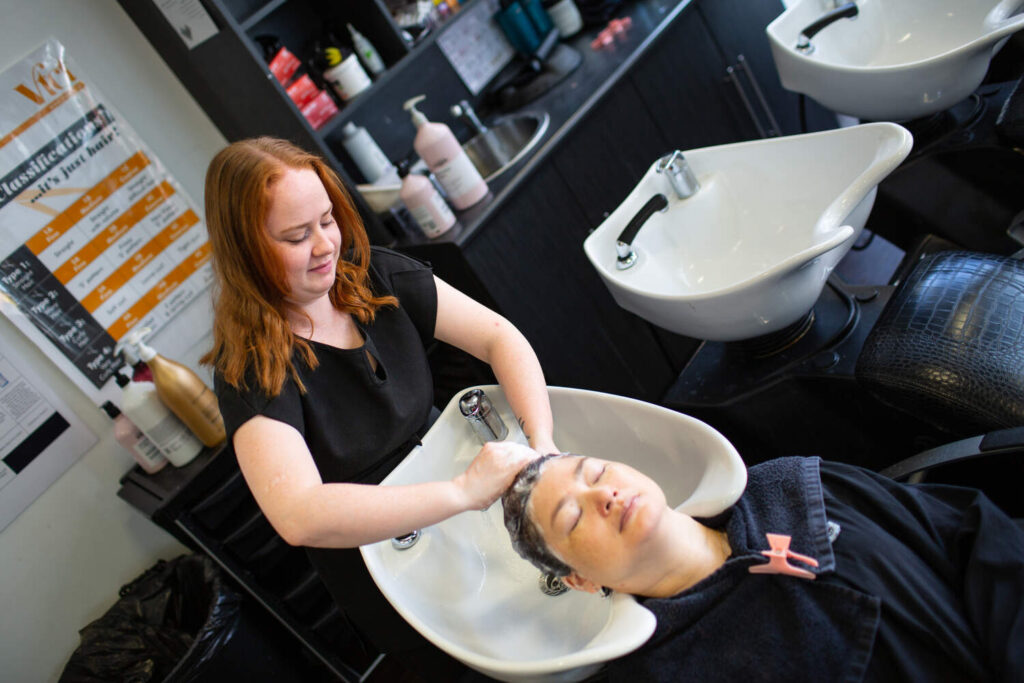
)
(551, 585)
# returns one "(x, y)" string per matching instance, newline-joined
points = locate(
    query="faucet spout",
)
(680, 175)
(485, 420)
(847, 11)
(464, 110)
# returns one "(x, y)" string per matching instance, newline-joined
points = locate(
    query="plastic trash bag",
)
(173, 618)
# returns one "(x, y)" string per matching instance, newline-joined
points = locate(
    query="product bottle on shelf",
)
(566, 16)
(360, 145)
(142, 405)
(183, 391)
(367, 52)
(127, 433)
(442, 10)
(444, 156)
(424, 202)
(344, 72)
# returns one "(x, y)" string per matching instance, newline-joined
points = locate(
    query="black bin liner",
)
(181, 622)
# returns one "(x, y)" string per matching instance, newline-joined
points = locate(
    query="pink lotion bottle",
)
(444, 156)
(424, 203)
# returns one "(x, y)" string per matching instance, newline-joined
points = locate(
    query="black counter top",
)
(567, 103)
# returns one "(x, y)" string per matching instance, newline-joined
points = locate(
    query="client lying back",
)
(821, 571)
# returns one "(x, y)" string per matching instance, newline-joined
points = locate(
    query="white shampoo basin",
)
(898, 59)
(749, 253)
(466, 590)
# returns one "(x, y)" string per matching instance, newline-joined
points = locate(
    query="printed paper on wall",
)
(40, 438)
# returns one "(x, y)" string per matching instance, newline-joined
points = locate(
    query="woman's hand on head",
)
(492, 471)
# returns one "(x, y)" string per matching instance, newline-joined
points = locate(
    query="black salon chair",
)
(948, 349)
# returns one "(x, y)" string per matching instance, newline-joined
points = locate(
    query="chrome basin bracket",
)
(405, 542)
(627, 261)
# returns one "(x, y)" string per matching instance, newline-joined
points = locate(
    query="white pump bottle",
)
(140, 403)
(444, 156)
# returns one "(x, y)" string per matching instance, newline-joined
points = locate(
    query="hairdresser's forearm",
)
(349, 515)
(488, 336)
(518, 371)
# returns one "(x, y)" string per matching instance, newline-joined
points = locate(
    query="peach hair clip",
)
(778, 559)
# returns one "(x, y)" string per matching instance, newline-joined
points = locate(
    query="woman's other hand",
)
(492, 471)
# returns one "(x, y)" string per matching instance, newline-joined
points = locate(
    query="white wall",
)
(63, 559)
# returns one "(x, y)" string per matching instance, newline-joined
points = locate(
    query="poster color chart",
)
(95, 237)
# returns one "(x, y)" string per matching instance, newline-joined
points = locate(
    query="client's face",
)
(597, 516)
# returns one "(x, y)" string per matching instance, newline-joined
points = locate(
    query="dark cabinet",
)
(738, 29)
(608, 152)
(682, 83)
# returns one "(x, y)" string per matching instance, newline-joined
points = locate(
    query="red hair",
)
(250, 328)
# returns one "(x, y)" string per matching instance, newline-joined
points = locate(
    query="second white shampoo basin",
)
(467, 591)
(897, 59)
(750, 251)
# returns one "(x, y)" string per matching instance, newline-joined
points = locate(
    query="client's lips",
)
(627, 512)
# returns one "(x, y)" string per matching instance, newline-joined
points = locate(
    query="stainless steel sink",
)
(505, 142)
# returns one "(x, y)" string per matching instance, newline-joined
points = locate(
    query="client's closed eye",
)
(576, 520)
(594, 471)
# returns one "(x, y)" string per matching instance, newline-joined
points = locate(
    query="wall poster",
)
(96, 238)
(40, 437)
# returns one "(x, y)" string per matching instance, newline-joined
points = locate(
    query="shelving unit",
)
(230, 80)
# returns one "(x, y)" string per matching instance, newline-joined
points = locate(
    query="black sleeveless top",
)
(359, 423)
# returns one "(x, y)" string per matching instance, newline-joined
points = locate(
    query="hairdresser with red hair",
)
(322, 376)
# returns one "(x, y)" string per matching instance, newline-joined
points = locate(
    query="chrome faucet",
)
(680, 175)
(464, 110)
(485, 420)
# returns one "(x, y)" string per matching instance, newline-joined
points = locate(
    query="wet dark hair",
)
(527, 539)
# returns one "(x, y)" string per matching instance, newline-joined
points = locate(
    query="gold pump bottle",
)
(186, 395)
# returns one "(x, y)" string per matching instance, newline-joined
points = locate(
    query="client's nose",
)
(605, 498)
